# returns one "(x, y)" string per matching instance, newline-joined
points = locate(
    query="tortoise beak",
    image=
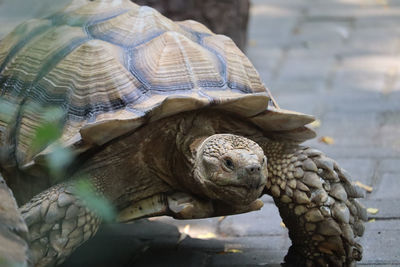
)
(252, 176)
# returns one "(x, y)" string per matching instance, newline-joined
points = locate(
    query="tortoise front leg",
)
(13, 230)
(58, 223)
(180, 205)
(317, 204)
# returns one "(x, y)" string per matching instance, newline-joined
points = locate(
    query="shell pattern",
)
(112, 66)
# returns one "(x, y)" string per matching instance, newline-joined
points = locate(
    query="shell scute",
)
(240, 73)
(11, 44)
(97, 85)
(134, 27)
(173, 63)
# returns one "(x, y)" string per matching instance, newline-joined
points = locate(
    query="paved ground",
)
(338, 60)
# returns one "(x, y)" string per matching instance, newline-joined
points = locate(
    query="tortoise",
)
(163, 118)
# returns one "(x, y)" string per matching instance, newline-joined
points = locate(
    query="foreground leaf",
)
(327, 140)
(207, 236)
(364, 186)
(315, 124)
(372, 211)
(85, 190)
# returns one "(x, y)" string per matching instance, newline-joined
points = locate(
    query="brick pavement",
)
(338, 60)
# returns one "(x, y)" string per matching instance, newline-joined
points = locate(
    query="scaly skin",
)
(317, 204)
(58, 223)
(13, 230)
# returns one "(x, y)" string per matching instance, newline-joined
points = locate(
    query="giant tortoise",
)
(163, 118)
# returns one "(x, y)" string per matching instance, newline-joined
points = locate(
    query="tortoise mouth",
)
(249, 183)
(235, 194)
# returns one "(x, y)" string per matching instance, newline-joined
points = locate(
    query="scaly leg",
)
(317, 204)
(13, 230)
(58, 223)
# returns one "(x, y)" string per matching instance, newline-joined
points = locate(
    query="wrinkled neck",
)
(185, 162)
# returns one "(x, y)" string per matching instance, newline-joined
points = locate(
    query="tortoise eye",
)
(229, 163)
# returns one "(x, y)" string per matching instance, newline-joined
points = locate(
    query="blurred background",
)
(336, 59)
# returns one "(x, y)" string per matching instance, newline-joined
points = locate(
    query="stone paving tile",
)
(302, 103)
(387, 187)
(389, 166)
(350, 129)
(267, 60)
(292, 4)
(361, 100)
(388, 208)
(252, 251)
(381, 243)
(298, 68)
(362, 170)
(365, 71)
(258, 223)
(254, 257)
(321, 35)
(166, 256)
(372, 40)
(358, 12)
(372, 152)
(276, 32)
(196, 227)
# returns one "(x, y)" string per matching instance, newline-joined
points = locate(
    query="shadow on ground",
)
(143, 243)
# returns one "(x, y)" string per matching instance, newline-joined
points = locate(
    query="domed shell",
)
(112, 66)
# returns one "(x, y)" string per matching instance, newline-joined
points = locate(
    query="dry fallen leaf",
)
(234, 250)
(315, 124)
(220, 219)
(186, 229)
(230, 250)
(208, 235)
(372, 210)
(371, 220)
(327, 140)
(184, 233)
(364, 186)
(283, 224)
(252, 42)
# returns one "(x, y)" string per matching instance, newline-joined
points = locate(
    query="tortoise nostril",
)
(253, 169)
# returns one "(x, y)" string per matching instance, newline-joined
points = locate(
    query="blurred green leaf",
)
(9, 263)
(50, 129)
(7, 110)
(45, 134)
(59, 160)
(53, 114)
(85, 190)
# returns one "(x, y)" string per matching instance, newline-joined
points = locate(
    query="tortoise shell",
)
(113, 66)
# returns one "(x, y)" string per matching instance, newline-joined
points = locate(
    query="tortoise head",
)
(230, 168)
